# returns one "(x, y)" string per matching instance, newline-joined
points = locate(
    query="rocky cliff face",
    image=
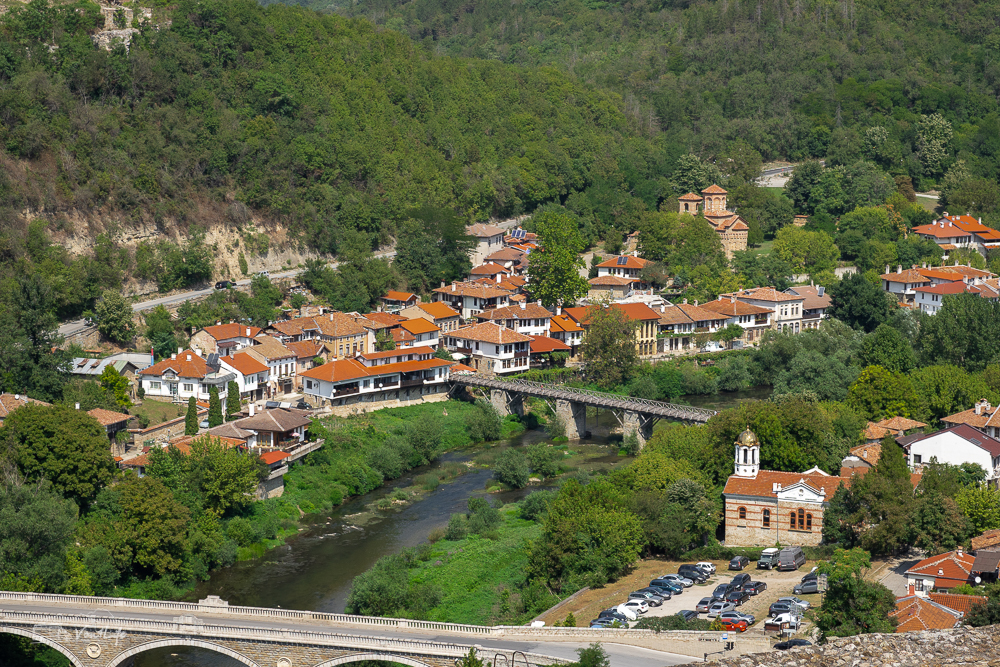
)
(931, 648)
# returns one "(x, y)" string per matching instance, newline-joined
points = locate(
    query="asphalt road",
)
(621, 655)
(70, 328)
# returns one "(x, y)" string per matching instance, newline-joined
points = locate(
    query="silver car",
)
(683, 581)
(720, 607)
(738, 616)
(794, 600)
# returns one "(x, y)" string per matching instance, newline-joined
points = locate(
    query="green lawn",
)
(763, 249)
(159, 411)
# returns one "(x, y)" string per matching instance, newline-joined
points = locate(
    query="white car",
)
(705, 565)
(630, 614)
(638, 606)
(794, 600)
(719, 607)
(792, 621)
(683, 581)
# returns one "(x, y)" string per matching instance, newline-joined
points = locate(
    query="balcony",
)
(521, 355)
(761, 321)
(345, 391)
(416, 382)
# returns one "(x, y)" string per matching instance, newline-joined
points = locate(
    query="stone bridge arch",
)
(385, 657)
(180, 641)
(42, 639)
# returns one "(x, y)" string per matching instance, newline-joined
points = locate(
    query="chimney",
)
(17, 397)
(331, 316)
(685, 302)
(76, 406)
(442, 284)
(946, 214)
(696, 303)
(887, 268)
(524, 305)
(179, 350)
(173, 356)
(732, 299)
(498, 279)
(820, 290)
(453, 287)
(189, 357)
(539, 302)
(252, 406)
(558, 311)
(899, 268)
(663, 309)
(248, 332)
(959, 550)
(218, 323)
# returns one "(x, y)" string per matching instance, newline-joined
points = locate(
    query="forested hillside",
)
(794, 78)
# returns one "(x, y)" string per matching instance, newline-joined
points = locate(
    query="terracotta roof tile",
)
(273, 457)
(306, 349)
(438, 310)
(333, 325)
(905, 276)
(344, 370)
(952, 566)
(762, 486)
(490, 269)
(11, 402)
(963, 604)
(699, 314)
(419, 326)
(392, 295)
(388, 354)
(690, 197)
(964, 431)
(271, 348)
(611, 281)
(231, 330)
(384, 320)
(764, 294)
(506, 255)
(540, 344)
(631, 262)
(901, 424)
(472, 289)
(530, 311)
(490, 332)
(483, 230)
(733, 308)
(107, 417)
(245, 363)
(186, 365)
(868, 453)
(674, 315)
(564, 323)
(915, 613)
(275, 419)
(813, 299)
(988, 539)
(713, 189)
(401, 335)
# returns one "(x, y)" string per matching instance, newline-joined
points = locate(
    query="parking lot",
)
(589, 604)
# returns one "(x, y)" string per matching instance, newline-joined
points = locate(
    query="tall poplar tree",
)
(191, 418)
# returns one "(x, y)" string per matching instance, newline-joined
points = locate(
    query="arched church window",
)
(743, 513)
(767, 518)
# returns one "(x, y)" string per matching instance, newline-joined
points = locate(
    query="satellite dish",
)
(979, 580)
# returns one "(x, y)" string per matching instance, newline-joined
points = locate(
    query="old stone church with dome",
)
(767, 507)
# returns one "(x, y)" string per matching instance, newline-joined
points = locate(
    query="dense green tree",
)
(887, 348)
(608, 349)
(36, 528)
(512, 468)
(232, 400)
(959, 333)
(692, 174)
(432, 247)
(384, 341)
(860, 303)
(554, 269)
(981, 506)
(828, 378)
(812, 252)
(944, 390)
(89, 394)
(191, 417)
(376, 592)
(30, 360)
(853, 605)
(155, 524)
(884, 498)
(228, 476)
(115, 317)
(762, 270)
(880, 394)
(214, 408)
(68, 447)
(116, 385)
(938, 524)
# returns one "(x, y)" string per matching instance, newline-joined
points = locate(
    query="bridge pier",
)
(507, 402)
(573, 415)
(638, 423)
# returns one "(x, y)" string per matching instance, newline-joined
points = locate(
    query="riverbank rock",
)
(937, 648)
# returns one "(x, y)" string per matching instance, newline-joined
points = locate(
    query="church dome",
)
(747, 439)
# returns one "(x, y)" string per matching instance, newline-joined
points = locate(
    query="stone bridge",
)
(636, 415)
(110, 632)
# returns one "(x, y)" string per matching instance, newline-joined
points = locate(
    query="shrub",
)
(386, 460)
(436, 535)
(424, 435)
(484, 423)
(544, 460)
(456, 530)
(536, 505)
(482, 517)
(377, 591)
(631, 444)
(241, 531)
(511, 468)
(555, 427)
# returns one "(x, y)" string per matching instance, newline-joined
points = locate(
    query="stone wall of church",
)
(750, 532)
(733, 241)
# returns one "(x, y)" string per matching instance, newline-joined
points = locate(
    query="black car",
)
(613, 613)
(812, 576)
(737, 597)
(741, 580)
(687, 614)
(695, 574)
(720, 591)
(755, 587)
(739, 563)
(791, 643)
(778, 608)
(224, 284)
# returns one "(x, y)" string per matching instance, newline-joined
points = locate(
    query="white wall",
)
(950, 448)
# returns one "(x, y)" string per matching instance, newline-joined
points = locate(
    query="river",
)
(314, 570)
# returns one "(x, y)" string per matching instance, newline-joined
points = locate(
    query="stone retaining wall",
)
(961, 646)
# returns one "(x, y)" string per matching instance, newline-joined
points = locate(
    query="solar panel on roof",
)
(518, 233)
(622, 260)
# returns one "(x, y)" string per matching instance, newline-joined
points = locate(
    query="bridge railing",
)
(530, 386)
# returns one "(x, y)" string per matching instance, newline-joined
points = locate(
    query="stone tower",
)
(747, 454)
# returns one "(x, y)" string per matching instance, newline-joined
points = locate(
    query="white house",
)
(489, 239)
(471, 298)
(425, 332)
(956, 445)
(401, 374)
(224, 338)
(530, 319)
(281, 362)
(787, 308)
(183, 375)
(251, 374)
(491, 347)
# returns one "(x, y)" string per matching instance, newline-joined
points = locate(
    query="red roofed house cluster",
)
(766, 507)
(960, 231)
(925, 287)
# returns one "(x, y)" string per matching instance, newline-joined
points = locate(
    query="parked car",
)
(768, 559)
(687, 614)
(778, 608)
(741, 580)
(784, 622)
(792, 643)
(794, 600)
(791, 558)
(812, 576)
(811, 586)
(603, 622)
(263, 274)
(613, 614)
(695, 574)
(224, 284)
(739, 615)
(734, 625)
(739, 563)
(755, 587)
(705, 565)
(649, 598)
(737, 597)
(661, 593)
(680, 579)
(630, 614)
(703, 605)
(719, 607)
(720, 591)
(667, 584)
(638, 606)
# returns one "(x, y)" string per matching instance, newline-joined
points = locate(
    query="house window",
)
(791, 520)
(309, 384)
(767, 518)
(802, 519)
(189, 388)
(809, 521)
(917, 459)
(918, 584)
(155, 386)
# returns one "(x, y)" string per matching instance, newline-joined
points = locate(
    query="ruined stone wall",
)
(930, 648)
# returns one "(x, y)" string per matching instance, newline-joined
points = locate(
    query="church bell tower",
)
(747, 454)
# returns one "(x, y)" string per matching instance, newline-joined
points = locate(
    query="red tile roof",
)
(901, 424)
(490, 269)
(371, 356)
(506, 255)
(813, 299)
(988, 539)
(490, 332)
(960, 603)
(107, 417)
(231, 330)
(528, 311)
(762, 486)
(611, 281)
(964, 431)
(438, 310)
(419, 326)
(343, 370)
(398, 296)
(11, 402)
(186, 365)
(957, 287)
(540, 344)
(690, 197)
(915, 613)
(245, 363)
(631, 262)
(564, 323)
(733, 308)
(384, 320)
(305, 349)
(270, 348)
(763, 294)
(333, 325)
(905, 276)
(868, 453)
(713, 189)
(482, 230)
(273, 457)
(472, 289)
(958, 226)
(951, 568)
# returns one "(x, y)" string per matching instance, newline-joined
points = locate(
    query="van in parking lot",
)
(791, 558)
